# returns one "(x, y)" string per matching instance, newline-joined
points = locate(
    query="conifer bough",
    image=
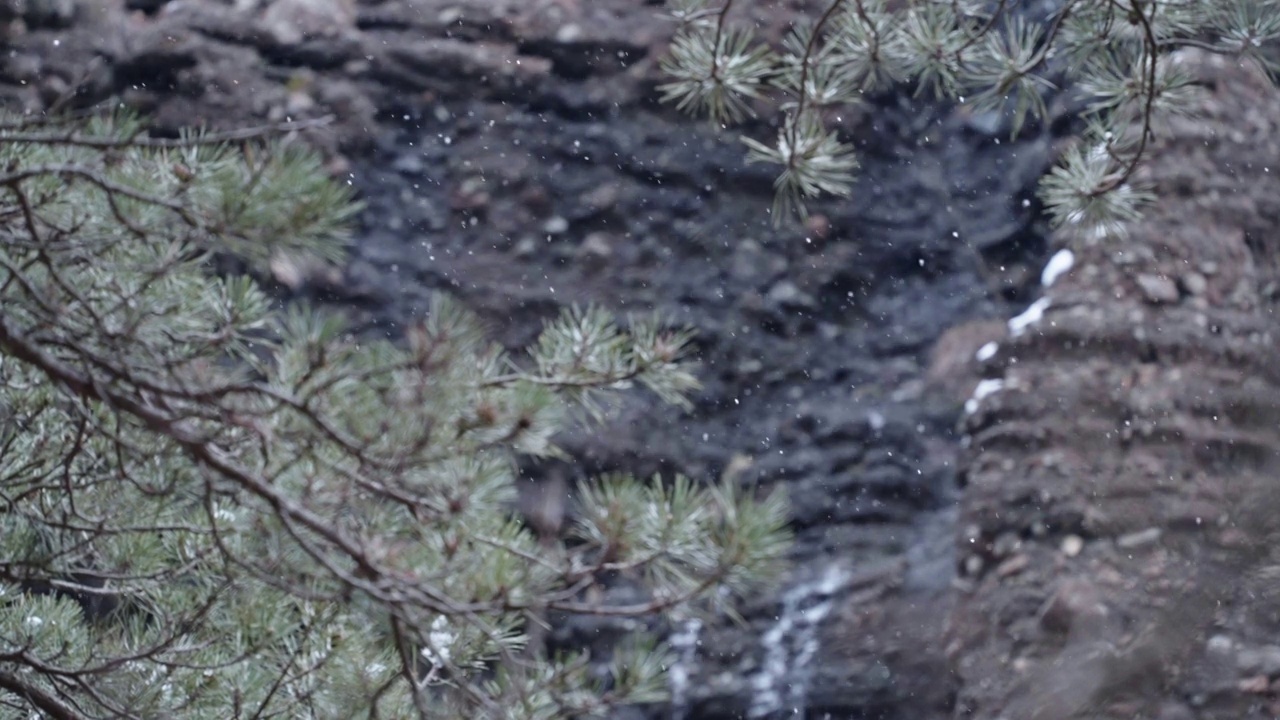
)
(985, 54)
(215, 507)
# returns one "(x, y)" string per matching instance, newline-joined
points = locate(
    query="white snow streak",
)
(789, 646)
(1058, 265)
(984, 388)
(1029, 317)
(685, 642)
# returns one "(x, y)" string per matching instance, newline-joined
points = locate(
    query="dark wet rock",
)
(446, 66)
(291, 22)
(785, 298)
(216, 21)
(596, 250)
(146, 6)
(40, 13)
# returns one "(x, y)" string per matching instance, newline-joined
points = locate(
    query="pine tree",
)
(213, 506)
(1120, 56)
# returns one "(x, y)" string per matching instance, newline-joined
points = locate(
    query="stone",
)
(1013, 566)
(49, 13)
(1077, 602)
(292, 21)
(1256, 685)
(1195, 283)
(752, 263)
(410, 164)
(784, 296)
(1173, 710)
(527, 247)
(1006, 544)
(1072, 545)
(595, 248)
(555, 225)
(1157, 289)
(1264, 660)
(453, 67)
(1138, 539)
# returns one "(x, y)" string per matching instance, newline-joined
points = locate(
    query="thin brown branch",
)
(93, 177)
(809, 48)
(39, 698)
(1148, 109)
(715, 46)
(214, 138)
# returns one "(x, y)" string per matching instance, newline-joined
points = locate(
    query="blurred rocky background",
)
(1076, 543)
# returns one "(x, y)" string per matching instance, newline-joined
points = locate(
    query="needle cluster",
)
(213, 507)
(988, 56)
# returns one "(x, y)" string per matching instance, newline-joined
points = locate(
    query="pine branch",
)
(279, 510)
(987, 59)
(40, 699)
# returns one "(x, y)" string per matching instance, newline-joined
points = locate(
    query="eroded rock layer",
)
(1115, 531)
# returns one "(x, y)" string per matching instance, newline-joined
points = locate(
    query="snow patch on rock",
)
(1058, 265)
(1032, 315)
(984, 388)
(986, 352)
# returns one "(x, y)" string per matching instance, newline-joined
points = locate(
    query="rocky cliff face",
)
(1118, 515)
(514, 153)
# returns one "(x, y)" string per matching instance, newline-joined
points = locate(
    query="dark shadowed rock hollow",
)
(1087, 539)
